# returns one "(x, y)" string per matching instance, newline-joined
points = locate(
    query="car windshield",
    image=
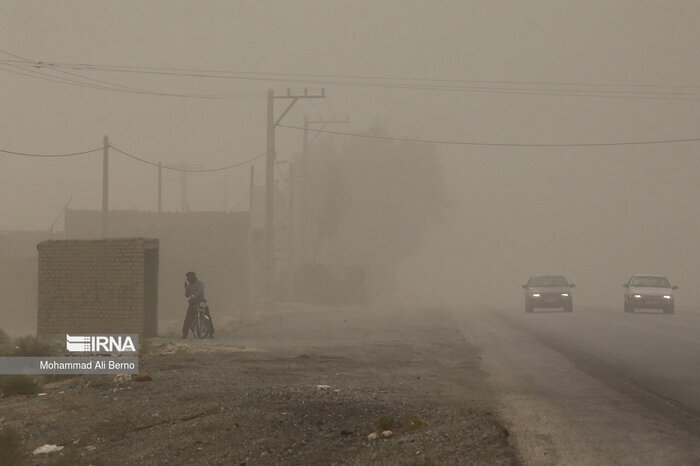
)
(547, 280)
(651, 282)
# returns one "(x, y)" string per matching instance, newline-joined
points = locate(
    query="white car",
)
(650, 292)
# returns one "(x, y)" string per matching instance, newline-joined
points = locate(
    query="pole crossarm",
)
(305, 95)
(286, 110)
(325, 122)
(294, 98)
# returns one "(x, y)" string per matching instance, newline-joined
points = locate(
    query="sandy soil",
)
(294, 387)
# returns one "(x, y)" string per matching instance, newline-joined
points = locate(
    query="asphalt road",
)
(595, 386)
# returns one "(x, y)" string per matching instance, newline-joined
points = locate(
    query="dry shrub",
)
(181, 355)
(411, 422)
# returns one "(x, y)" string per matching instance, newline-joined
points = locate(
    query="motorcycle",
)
(202, 325)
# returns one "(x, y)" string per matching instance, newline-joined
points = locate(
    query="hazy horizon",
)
(528, 73)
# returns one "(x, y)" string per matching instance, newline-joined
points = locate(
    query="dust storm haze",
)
(364, 186)
(480, 220)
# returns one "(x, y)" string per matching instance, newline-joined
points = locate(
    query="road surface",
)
(595, 386)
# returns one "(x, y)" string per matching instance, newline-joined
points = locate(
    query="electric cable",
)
(474, 143)
(70, 154)
(189, 170)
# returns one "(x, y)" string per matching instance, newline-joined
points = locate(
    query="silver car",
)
(650, 292)
(548, 291)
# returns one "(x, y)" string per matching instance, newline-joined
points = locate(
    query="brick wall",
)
(92, 286)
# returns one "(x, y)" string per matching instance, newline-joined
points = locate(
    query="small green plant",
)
(386, 422)
(18, 384)
(32, 346)
(11, 448)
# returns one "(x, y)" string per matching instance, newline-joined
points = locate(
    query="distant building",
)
(213, 244)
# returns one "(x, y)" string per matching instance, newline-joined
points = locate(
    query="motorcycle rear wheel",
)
(201, 327)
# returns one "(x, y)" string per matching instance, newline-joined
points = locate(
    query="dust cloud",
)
(452, 221)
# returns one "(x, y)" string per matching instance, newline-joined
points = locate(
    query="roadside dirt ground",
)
(297, 386)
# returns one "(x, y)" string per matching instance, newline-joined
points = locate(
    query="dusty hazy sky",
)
(550, 208)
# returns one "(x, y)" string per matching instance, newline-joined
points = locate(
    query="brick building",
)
(98, 286)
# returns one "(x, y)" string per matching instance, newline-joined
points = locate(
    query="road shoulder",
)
(563, 409)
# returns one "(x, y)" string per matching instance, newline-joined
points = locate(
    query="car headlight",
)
(637, 296)
(565, 294)
(667, 296)
(535, 295)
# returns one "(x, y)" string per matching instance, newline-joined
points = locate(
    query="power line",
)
(188, 71)
(70, 154)
(189, 170)
(474, 143)
(603, 93)
(98, 149)
(37, 75)
(126, 89)
(409, 83)
(26, 64)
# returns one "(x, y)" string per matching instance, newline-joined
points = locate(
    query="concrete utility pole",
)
(160, 187)
(105, 186)
(183, 192)
(252, 186)
(270, 180)
(304, 209)
(291, 259)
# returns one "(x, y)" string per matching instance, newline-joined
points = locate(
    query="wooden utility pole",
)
(105, 186)
(184, 169)
(270, 181)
